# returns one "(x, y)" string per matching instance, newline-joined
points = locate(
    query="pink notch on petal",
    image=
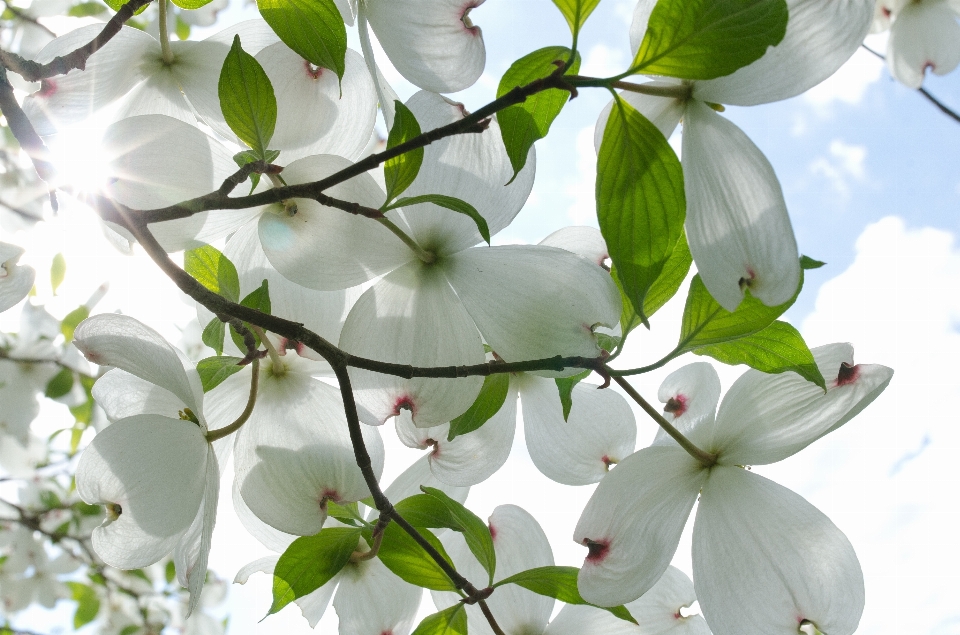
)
(493, 531)
(676, 405)
(597, 550)
(465, 17)
(47, 88)
(404, 403)
(313, 71)
(848, 374)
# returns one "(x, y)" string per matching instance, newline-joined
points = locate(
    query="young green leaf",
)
(246, 99)
(117, 4)
(565, 387)
(399, 172)
(421, 510)
(776, 349)
(670, 279)
(58, 270)
(73, 319)
(309, 563)
(559, 583)
(475, 531)
(450, 621)
(703, 39)
(314, 29)
(182, 28)
(576, 12)
(492, 396)
(403, 555)
(806, 262)
(523, 124)
(705, 322)
(60, 384)
(213, 270)
(214, 370)
(640, 200)
(86, 9)
(88, 604)
(347, 513)
(191, 4)
(213, 334)
(258, 299)
(449, 202)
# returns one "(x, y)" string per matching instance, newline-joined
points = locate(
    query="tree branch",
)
(923, 91)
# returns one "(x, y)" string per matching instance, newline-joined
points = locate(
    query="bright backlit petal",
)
(766, 418)
(412, 316)
(924, 36)
(583, 241)
(432, 43)
(418, 474)
(690, 395)
(765, 560)
(122, 395)
(371, 599)
(632, 523)
(737, 224)
(15, 280)
(821, 36)
(600, 431)
(193, 550)
(271, 538)
(533, 302)
(150, 471)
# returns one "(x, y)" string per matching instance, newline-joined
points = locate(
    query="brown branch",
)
(61, 65)
(28, 138)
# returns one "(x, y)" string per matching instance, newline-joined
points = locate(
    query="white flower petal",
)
(198, 69)
(373, 600)
(418, 474)
(287, 472)
(159, 94)
(924, 36)
(766, 418)
(109, 339)
(15, 280)
(821, 36)
(109, 73)
(314, 605)
(265, 564)
(583, 241)
(519, 544)
(764, 560)
(600, 430)
(193, 551)
(533, 302)
(317, 113)
(412, 316)
(122, 395)
(325, 248)
(473, 457)
(690, 395)
(271, 538)
(737, 224)
(431, 42)
(633, 522)
(154, 469)
(472, 167)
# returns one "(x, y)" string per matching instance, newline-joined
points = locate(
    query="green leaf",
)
(640, 200)
(312, 28)
(450, 621)
(670, 279)
(492, 396)
(345, 512)
(421, 510)
(130, 630)
(72, 320)
(806, 262)
(246, 99)
(523, 124)
(703, 39)
(116, 4)
(576, 12)
(565, 387)
(213, 370)
(60, 385)
(191, 4)
(170, 571)
(86, 9)
(213, 270)
(475, 531)
(776, 349)
(559, 583)
(88, 603)
(182, 29)
(258, 299)
(213, 334)
(449, 202)
(58, 270)
(403, 555)
(309, 563)
(705, 322)
(400, 171)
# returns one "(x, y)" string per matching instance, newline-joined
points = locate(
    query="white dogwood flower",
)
(15, 280)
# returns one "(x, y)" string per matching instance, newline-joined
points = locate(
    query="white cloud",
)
(888, 478)
(845, 162)
(849, 84)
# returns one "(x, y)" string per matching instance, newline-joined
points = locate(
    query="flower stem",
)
(422, 254)
(271, 349)
(213, 435)
(165, 35)
(678, 91)
(705, 458)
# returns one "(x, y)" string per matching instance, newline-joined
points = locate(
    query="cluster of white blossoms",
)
(413, 281)
(924, 36)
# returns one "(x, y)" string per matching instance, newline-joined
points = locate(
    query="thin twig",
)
(27, 18)
(219, 433)
(25, 134)
(705, 458)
